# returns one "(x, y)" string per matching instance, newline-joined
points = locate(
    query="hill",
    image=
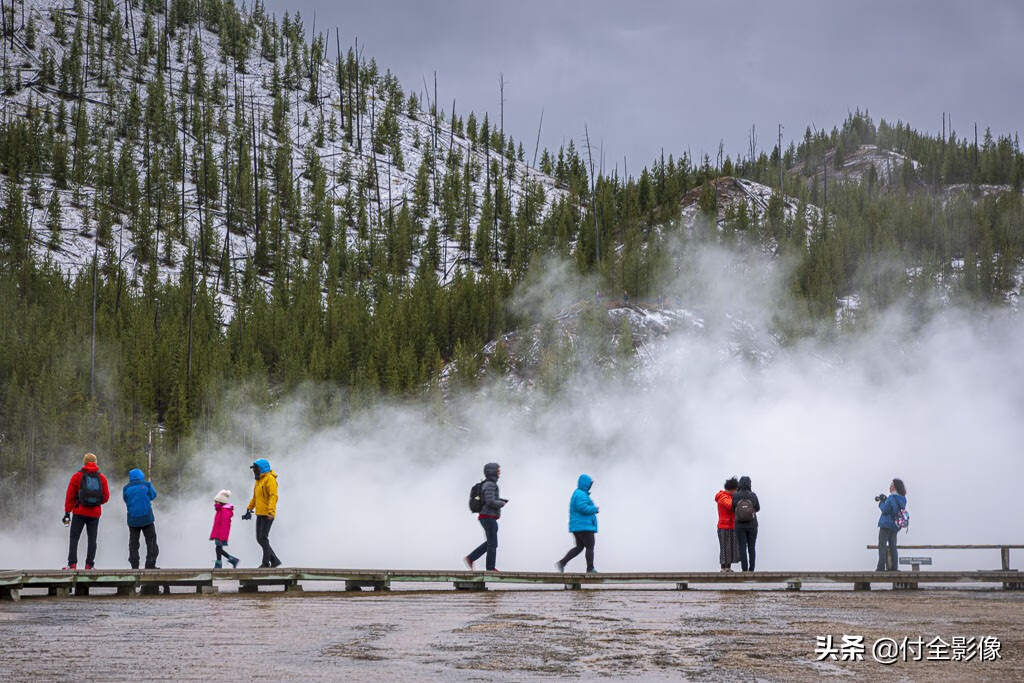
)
(240, 137)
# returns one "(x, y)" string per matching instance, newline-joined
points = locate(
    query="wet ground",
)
(502, 634)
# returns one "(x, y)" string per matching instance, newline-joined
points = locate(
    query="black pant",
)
(91, 525)
(152, 549)
(747, 538)
(263, 524)
(888, 558)
(224, 554)
(584, 540)
(490, 546)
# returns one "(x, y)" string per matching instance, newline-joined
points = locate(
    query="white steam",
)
(820, 428)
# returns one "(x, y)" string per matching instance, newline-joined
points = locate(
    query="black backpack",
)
(476, 497)
(90, 490)
(745, 510)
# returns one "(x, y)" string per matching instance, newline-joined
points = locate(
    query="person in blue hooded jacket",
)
(888, 557)
(582, 523)
(139, 495)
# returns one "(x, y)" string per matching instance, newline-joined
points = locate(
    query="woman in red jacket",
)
(728, 548)
(87, 492)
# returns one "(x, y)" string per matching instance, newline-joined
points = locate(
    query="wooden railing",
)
(1003, 548)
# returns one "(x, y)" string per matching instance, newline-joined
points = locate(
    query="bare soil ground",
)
(508, 634)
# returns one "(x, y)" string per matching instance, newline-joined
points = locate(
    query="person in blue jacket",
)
(582, 523)
(888, 558)
(139, 495)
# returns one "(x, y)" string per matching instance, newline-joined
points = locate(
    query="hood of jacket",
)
(263, 464)
(90, 467)
(136, 477)
(584, 482)
(491, 471)
(744, 483)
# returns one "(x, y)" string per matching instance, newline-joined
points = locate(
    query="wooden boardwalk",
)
(130, 582)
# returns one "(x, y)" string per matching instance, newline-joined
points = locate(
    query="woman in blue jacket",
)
(582, 523)
(139, 495)
(888, 558)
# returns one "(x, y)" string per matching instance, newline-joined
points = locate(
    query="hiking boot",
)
(468, 562)
(493, 570)
(275, 564)
(217, 565)
(234, 562)
(560, 567)
(71, 567)
(591, 571)
(88, 567)
(265, 565)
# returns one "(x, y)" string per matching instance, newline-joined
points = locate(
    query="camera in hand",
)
(880, 497)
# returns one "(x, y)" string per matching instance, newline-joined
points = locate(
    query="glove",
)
(247, 515)
(66, 519)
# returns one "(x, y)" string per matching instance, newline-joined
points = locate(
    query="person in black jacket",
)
(490, 512)
(746, 529)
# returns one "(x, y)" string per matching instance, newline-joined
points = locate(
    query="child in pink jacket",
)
(223, 511)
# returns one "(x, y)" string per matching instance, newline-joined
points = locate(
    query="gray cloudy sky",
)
(683, 75)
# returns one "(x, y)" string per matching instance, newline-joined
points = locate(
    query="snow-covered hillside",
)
(856, 166)
(312, 123)
(593, 336)
(733, 194)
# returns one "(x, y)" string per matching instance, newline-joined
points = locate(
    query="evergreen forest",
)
(205, 208)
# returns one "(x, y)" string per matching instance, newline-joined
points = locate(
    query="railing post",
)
(1004, 553)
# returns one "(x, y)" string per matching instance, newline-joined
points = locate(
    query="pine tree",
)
(53, 220)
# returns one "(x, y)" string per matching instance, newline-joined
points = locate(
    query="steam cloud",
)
(821, 427)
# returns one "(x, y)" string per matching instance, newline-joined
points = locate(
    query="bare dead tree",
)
(781, 187)
(752, 144)
(92, 353)
(129, 16)
(593, 201)
(501, 152)
(536, 147)
(255, 167)
(341, 81)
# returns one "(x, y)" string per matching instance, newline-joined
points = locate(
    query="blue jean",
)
(490, 546)
(888, 557)
(747, 539)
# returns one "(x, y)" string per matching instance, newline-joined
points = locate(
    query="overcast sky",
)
(653, 74)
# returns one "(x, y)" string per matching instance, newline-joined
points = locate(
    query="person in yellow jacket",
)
(264, 502)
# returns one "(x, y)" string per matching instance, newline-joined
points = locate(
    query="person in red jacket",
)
(728, 547)
(87, 492)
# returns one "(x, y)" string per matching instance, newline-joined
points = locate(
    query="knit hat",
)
(89, 458)
(222, 497)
